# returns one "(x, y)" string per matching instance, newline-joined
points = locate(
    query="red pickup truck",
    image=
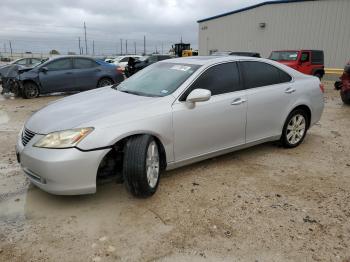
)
(310, 62)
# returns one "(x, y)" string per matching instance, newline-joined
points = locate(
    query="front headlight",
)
(64, 139)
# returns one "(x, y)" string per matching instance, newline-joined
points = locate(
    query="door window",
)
(35, 61)
(125, 59)
(22, 62)
(61, 64)
(219, 79)
(83, 63)
(257, 74)
(305, 57)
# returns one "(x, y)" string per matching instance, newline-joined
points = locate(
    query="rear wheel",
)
(30, 90)
(141, 165)
(105, 82)
(294, 129)
(319, 75)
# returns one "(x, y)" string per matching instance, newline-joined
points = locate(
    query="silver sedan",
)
(170, 114)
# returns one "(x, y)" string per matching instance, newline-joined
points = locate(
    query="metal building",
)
(282, 25)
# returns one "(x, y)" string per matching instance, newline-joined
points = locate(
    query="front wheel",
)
(141, 165)
(30, 90)
(294, 129)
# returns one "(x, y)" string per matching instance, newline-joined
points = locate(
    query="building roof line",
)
(252, 7)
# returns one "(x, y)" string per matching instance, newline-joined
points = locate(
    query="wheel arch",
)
(304, 108)
(119, 146)
(31, 81)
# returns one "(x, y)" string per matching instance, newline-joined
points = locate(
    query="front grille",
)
(27, 135)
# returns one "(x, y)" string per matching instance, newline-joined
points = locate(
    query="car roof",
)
(203, 60)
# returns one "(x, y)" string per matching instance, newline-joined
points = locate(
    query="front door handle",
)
(238, 101)
(69, 73)
(290, 90)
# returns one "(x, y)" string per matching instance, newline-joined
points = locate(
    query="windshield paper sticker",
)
(181, 67)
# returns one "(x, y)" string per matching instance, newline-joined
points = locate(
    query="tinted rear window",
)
(257, 74)
(83, 63)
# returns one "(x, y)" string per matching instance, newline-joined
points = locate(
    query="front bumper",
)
(60, 171)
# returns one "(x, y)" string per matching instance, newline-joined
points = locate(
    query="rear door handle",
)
(69, 73)
(238, 101)
(289, 90)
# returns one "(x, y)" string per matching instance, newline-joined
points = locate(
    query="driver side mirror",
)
(44, 69)
(198, 95)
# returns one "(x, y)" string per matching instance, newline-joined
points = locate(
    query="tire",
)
(319, 75)
(295, 129)
(345, 98)
(141, 165)
(105, 82)
(30, 90)
(16, 90)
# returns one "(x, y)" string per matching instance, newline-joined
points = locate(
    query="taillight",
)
(322, 88)
(119, 70)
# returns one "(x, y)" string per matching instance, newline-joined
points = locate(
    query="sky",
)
(42, 25)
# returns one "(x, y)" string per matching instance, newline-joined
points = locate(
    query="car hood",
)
(86, 107)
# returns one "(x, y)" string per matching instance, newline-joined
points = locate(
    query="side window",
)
(83, 63)
(61, 64)
(219, 79)
(284, 77)
(125, 59)
(305, 57)
(21, 62)
(35, 61)
(257, 74)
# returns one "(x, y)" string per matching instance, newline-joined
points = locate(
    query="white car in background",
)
(122, 61)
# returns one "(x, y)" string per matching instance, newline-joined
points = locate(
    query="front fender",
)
(159, 126)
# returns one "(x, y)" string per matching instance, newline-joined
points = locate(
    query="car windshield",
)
(284, 56)
(160, 79)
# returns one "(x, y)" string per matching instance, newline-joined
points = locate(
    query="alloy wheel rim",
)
(105, 83)
(296, 129)
(152, 164)
(32, 92)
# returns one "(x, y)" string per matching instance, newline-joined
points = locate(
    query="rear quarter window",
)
(258, 74)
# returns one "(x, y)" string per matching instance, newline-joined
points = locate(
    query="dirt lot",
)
(265, 203)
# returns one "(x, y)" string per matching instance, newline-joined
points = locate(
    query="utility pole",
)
(126, 46)
(86, 51)
(5, 48)
(162, 47)
(121, 46)
(93, 47)
(79, 46)
(10, 47)
(144, 45)
(135, 47)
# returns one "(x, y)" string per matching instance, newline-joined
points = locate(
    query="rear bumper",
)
(60, 171)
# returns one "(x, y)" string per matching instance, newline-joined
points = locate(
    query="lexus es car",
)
(170, 114)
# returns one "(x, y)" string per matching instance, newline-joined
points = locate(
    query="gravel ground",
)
(265, 203)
